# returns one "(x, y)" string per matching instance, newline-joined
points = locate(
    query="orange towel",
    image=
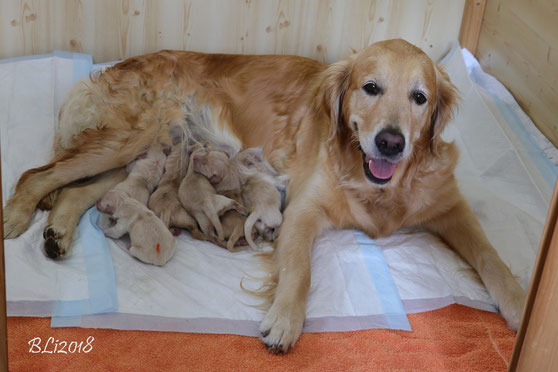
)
(455, 338)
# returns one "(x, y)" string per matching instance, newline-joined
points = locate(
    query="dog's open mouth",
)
(376, 170)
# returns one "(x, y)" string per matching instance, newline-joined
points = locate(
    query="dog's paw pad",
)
(50, 232)
(52, 249)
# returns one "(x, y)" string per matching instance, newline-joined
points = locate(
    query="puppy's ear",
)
(335, 82)
(446, 103)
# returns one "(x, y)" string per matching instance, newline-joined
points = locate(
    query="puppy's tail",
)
(248, 228)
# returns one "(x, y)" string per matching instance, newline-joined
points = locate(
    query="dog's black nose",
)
(390, 142)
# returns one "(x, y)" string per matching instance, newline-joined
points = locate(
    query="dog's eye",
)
(372, 89)
(418, 97)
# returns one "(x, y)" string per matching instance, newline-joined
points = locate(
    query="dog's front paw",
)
(512, 309)
(16, 220)
(281, 327)
(58, 242)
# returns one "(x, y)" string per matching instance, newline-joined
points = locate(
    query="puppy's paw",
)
(281, 327)
(512, 309)
(16, 219)
(58, 243)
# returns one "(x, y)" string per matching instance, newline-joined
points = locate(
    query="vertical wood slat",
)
(326, 30)
(471, 24)
(3, 320)
(535, 346)
(518, 45)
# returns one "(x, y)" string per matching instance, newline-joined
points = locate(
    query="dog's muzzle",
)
(390, 144)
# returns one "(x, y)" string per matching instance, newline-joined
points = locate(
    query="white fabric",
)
(31, 91)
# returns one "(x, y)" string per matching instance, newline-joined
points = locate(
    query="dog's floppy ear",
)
(334, 84)
(446, 103)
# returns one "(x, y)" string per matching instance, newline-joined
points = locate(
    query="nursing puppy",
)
(144, 175)
(264, 202)
(199, 198)
(360, 140)
(233, 226)
(151, 240)
(164, 202)
(228, 178)
(258, 192)
(218, 168)
(253, 158)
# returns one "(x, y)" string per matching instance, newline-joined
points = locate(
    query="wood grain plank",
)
(325, 30)
(471, 24)
(519, 46)
(3, 319)
(536, 347)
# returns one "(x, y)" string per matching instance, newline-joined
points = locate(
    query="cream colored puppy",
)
(165, 202)
(258, 187)
(151, 240)
(217, 167)
(253, 159)
(144, 175)
(123, 210)
(199, 198)
(233, 226)
(264, 201)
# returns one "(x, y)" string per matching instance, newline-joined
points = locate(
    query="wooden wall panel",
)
(323, 29)
(519, 45)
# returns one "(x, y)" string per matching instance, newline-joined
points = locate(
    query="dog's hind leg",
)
(96, 151)
(72, 201)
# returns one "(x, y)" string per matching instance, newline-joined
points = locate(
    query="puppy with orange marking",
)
(151, 241)
(359, 139)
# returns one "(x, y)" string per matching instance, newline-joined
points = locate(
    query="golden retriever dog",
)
(359, 139)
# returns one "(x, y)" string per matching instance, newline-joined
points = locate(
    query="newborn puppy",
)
(264, 201)
(151, 240)
(200, 199)
(218, 168)
(144, 175)
(164, 201)
(253, 159)
(233, 226)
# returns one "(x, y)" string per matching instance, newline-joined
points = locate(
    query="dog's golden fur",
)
(318, 124)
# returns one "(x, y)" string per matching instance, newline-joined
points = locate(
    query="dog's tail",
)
(248, 228)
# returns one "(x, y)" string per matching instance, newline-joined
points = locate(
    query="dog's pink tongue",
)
(381, 168)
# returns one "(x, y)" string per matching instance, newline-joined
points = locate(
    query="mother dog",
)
(360, 140)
